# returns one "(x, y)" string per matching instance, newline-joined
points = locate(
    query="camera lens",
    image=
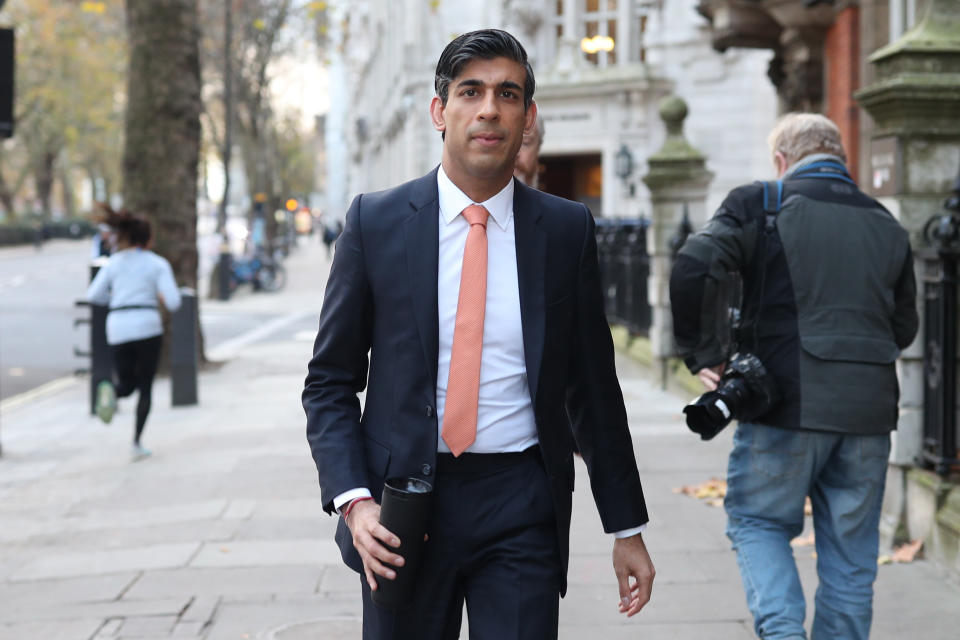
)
(708, 415)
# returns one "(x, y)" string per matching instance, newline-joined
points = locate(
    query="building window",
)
(903, 16)
(608, 32)
(599, 19)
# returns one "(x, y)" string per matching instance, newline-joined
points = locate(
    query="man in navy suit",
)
(542, 362)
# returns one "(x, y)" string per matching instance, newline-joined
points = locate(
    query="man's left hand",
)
(631, 560)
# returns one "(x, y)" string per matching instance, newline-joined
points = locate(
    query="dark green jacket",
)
(839, 300)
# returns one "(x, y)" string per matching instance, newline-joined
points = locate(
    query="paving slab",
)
(254, 553)
(79, 629)
(230, 581)
(66, 565)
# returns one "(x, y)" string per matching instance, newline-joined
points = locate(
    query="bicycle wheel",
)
(273, 277)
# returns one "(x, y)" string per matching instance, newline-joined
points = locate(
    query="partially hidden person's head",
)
(131, 230)
(483, 106)
(527, 165)
(798, 135)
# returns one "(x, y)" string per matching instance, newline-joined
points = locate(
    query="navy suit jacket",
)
(381, 303)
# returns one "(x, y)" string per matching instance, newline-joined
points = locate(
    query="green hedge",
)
(26, 233)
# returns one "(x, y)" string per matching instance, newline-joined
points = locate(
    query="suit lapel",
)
(421, 237)
(531, 243)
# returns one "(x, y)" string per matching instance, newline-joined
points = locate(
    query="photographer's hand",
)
(710, 376)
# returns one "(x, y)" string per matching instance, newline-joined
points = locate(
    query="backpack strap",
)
(772, 202)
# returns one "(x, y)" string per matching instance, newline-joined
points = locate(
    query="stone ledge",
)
(933, 514)
(679, 380)
(946, 534)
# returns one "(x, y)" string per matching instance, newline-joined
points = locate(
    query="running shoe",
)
(139, 453)
(106, 401)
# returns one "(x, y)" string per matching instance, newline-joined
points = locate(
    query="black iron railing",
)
(624, 269)
(939, 276)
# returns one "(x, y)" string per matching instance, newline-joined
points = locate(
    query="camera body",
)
(745, 391)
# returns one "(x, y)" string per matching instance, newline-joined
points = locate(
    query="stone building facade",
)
(597, 107)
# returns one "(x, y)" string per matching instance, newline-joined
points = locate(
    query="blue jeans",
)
(771, 471)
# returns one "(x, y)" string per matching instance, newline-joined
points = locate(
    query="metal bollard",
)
(184, 350)
(101, 366)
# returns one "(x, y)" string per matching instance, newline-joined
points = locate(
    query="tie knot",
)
(476, 214)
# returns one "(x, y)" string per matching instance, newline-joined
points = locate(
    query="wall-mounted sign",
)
(886, 164)
(577, 116)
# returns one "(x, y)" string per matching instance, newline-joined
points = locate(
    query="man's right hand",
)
(368, 534)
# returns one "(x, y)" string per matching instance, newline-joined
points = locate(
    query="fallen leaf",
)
(712, 491)
(884, 559)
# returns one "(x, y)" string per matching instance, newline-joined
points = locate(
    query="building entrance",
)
(575, 177)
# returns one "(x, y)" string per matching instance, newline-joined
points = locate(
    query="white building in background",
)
(594, 104)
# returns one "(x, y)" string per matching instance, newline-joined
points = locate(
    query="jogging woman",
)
(133, 283)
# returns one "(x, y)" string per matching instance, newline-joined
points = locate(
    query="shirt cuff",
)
(626, 533)
(345, 497)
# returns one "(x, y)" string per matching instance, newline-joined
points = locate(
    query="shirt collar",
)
(453, 201)
(808, 160)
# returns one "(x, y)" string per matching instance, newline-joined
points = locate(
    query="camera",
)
(745, 392)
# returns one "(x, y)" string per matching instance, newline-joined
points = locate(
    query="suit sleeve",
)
(906, 321)
(595, 402)
(698, 281)
(338, 370)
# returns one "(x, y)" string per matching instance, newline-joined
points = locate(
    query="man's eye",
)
(470, 92)
(508, 94)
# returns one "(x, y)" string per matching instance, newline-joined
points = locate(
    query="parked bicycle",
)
(260, 270)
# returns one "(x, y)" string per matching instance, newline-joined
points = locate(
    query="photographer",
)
(828, 301)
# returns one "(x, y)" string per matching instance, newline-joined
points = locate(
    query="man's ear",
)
(436, 114)
(530, 120)
(780, 161)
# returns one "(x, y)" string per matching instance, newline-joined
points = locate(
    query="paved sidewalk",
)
(220, 535)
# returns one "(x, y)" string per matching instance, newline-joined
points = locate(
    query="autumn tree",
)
(264, 32)
(71, 61)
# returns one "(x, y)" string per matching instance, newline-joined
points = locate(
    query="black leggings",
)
(135, 364)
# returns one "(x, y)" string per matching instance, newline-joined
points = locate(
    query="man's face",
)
(528, 158)
(483, 121)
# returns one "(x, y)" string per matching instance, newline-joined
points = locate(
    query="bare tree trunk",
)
(69, 198)
(6, 200)
(43, 179)
(162, 144)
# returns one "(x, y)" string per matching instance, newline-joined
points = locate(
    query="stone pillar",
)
(914, 159)
(569, 59)
(677, 179)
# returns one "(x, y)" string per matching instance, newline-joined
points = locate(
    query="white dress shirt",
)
(505, 419)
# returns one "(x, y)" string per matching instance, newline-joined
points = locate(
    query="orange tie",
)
(463, 385)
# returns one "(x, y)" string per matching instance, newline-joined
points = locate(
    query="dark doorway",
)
(575, 177)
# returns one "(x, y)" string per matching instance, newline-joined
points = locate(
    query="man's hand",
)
(710, 376)
(368, 534)
(630, 559)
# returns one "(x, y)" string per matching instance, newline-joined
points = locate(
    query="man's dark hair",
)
(485, 44)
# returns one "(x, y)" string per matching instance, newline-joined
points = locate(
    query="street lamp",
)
(623, 165)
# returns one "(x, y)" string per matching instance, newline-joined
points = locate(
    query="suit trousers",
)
(492, 544)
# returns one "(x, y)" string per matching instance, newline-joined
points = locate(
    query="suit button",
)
(426, 469)
(429, 411)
